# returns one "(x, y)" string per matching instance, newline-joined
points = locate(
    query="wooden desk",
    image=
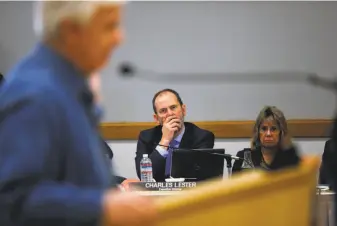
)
(158, 193)
(324, 209)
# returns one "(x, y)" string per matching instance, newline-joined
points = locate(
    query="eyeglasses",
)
(271, 129)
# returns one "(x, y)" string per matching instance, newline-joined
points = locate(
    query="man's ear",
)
(183, 109)
(68, 30)
(155, 118)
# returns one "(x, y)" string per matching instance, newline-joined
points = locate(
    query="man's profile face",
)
(94, 41)
(166, 105)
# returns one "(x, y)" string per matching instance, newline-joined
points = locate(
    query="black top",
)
(331, 162)
(194, 137)
(109, 154)
(323, 170)
(283, 158)
(108, 150)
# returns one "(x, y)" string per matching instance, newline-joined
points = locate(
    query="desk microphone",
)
(208, 151)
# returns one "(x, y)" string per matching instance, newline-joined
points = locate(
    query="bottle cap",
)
(145, 155)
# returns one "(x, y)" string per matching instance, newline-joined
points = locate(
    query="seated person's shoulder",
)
(201, 138)
(150, 133)
(107, 149)
(328, 143)
(149, 137)
(199, 131)
(327, 150)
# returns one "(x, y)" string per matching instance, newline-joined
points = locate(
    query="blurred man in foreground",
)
(52, 166)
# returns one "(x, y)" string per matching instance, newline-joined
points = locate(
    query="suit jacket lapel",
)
(157, 135)
(187, 139)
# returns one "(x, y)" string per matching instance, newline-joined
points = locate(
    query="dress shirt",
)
(164, 151)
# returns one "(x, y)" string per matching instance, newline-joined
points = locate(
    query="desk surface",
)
(154, 189)
(167, 193)
(158, 193)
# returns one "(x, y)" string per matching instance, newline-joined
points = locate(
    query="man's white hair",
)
(48, 14)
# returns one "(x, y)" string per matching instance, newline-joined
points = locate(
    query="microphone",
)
(129, 70)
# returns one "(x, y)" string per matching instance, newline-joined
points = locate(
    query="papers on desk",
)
(323, 187)
(323, 190)
(175, 179)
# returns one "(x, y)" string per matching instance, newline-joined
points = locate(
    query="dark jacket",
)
(194, 137)
(110, 154)
(282, 159)
(323, 171)
(1, 78)
(331, 162)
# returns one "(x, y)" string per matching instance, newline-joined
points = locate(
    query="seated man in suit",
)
(271, 147)
(172, 131)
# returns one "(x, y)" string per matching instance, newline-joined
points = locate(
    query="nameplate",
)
(162, 186)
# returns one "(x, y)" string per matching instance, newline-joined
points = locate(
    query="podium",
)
(280, 198)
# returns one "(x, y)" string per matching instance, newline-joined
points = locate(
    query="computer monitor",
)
(197, 165)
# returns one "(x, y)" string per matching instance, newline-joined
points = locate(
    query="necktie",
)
(173, 144)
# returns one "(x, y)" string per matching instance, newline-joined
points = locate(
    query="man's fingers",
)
(169, 118)
(174, 121)
(173, 125)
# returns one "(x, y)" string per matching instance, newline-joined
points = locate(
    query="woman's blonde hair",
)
(267, 112)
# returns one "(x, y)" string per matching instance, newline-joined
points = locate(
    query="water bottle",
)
(146, 169)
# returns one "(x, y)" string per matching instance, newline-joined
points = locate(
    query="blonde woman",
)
(271, 146)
